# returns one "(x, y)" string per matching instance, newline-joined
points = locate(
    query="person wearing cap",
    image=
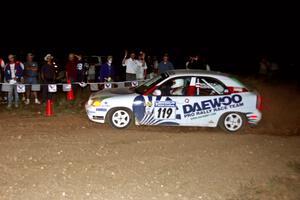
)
(31, 77)
(47, 76)
(107, 71)
(13, 74)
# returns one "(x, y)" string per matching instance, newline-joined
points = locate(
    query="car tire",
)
(232, 122)
(120, 118)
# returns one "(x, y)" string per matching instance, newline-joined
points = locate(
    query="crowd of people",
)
(138, 66)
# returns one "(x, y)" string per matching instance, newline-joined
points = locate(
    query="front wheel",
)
(120, 118)
(232, 122)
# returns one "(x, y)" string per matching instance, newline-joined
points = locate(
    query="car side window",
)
(175, 86)
(207, 86)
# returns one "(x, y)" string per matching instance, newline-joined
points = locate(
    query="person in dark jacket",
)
(107, 71)
(48, 76)
(82, 69)
(71, 68)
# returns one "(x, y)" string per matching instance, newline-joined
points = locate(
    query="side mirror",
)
(156, 92)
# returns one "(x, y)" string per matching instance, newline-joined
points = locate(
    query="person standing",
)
(13, 74)
(71, 68)
(31, 77)
(141, 67)
(165, 65)
(47, 76)
(131, 66)
(107, 71)
(197, 62)
(82, 69)
(2, 67)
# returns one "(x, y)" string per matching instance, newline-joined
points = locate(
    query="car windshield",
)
(149, 84)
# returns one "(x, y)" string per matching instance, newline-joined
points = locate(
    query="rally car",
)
(179, 98)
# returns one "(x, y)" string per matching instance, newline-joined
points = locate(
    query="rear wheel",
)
(232, 122)
(120, 118)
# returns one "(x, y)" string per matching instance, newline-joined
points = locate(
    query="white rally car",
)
(179, 98)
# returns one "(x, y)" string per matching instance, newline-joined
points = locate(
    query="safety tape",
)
(66, 87)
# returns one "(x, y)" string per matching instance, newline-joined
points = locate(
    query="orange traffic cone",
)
(70, 94)
(49, 110)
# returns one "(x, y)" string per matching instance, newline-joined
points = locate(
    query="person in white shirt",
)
(131, 66)
(142, 67)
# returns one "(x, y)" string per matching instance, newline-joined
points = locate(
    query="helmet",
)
(178, 83)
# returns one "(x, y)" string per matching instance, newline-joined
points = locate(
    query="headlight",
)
(96, 103)
(90, 101)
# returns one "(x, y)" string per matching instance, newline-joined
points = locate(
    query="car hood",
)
(106, 93)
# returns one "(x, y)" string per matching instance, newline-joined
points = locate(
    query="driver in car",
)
(177, 87)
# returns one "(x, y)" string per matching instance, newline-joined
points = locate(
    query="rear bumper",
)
(254, 117)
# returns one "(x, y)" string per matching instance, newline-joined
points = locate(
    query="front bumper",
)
(95, 114)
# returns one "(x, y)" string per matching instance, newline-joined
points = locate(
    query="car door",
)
(164, 108)
(202, 102)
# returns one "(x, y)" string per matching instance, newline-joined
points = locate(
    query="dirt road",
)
(68, 157)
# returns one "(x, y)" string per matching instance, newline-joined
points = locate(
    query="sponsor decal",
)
(149, 104)
(165, 104)
(20, 88)
(212, 105)
(107, 85)
(101, 109)
(134, 83)
(90, 112)
(52, 88)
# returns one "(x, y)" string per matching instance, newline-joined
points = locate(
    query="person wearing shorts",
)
(31, 76)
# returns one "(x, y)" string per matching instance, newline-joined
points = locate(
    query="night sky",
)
(231, 37)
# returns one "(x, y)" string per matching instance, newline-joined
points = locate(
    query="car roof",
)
(195, 72)
(227, 79)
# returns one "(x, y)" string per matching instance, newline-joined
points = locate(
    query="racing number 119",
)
(164, 113)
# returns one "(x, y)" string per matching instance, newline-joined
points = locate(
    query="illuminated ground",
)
(68, 157)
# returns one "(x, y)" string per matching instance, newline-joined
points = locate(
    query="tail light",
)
(232, 90)
(259, 102)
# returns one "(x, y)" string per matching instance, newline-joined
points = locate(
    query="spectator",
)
(31, 77)
(197, 62)
(273, 73)
(71, 71)
(264, 66)
(82, 69)
(131, 66)
(47, 76)
(13, 74)
(141, 67)
(107, 71)
(155, 65)
(165, 65)
(151, 67)
(2, 66)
